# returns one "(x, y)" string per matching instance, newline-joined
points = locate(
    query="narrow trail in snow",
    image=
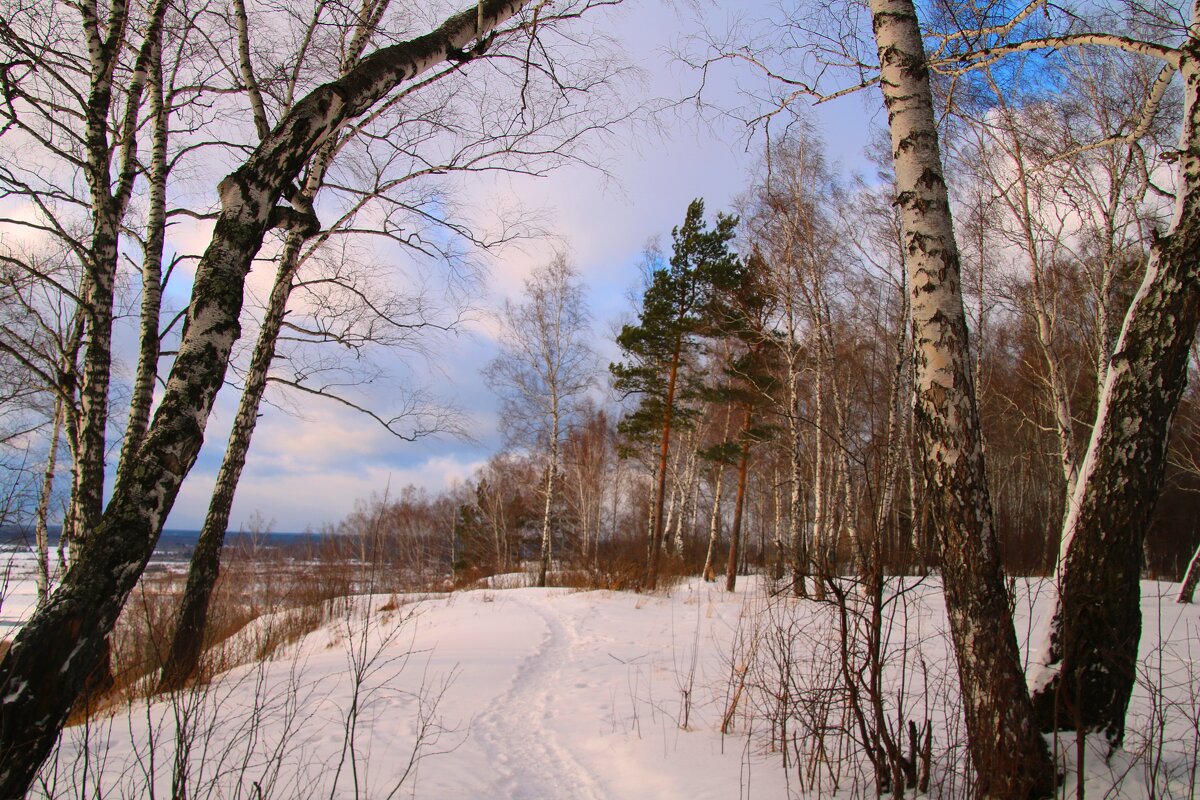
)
(529, 762)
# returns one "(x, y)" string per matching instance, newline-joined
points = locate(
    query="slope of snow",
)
(550, 693)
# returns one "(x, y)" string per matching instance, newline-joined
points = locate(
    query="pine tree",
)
(676, 311)
(748, 379)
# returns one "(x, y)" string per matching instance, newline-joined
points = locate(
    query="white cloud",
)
(307, 472)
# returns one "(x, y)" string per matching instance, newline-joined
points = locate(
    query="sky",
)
(309, 465)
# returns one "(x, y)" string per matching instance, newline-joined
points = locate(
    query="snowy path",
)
(546, 694)
(521, 746)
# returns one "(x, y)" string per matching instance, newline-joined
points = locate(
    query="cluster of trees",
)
(343, 132)
(1082, 272)
(769, 370)
(797, 389)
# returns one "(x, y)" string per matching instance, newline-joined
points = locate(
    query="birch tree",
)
(787, 222)
(1009, 755)
(44, 671)
(342, 312)
(588, 460)
(544, 368)
(1086, 664)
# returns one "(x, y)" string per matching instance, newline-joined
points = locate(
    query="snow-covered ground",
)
(18, 588)
(552, 693)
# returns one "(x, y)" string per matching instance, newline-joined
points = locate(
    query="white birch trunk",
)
(40, 531)
(1010, 757)
(44, 671)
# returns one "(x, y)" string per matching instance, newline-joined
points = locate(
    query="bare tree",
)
(588, 464)
(542, 373)
(1087, 662)
(1009, 755)
(43, 672)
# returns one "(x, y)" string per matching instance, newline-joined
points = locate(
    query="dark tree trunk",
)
(44, 671)
(1089, 663)
(735, 532)
(183, 658)
(1010, 757)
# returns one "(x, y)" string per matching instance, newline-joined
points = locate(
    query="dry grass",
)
(263, 602)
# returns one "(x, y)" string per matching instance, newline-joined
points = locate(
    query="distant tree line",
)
(976, 361)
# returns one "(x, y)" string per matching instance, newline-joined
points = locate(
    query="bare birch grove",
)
(43, 672)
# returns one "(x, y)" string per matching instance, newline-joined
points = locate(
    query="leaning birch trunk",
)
(43, 672)
(1087, 665)
(41, 533)
(1010, 757)
(1190, 579)
(187, 642)
(183, 659)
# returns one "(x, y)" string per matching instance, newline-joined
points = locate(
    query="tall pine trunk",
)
(664, 451)
(1010, 757)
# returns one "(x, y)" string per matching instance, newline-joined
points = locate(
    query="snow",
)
(18, 588)
(556, 693)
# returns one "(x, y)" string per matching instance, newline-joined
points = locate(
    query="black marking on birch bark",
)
(1010, 758)
(303, 223)
(43, 672)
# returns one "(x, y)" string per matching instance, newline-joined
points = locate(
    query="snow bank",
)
(552, 693)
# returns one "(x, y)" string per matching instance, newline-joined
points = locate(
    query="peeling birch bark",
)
(44, 670)
(1010, 757)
